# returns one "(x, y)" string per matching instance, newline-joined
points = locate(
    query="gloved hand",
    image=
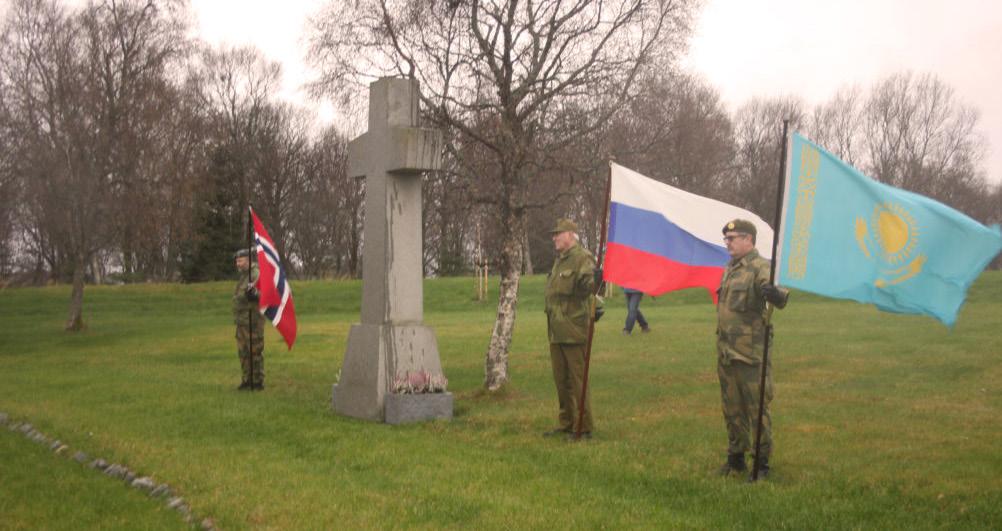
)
(774, 295)
(252, 294)
(598, 277)
(599, 312)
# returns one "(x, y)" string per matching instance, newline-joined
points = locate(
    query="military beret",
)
(564, 225)
(740, 225)
(242, 253)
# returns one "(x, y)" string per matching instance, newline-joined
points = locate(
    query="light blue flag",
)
(847, 236)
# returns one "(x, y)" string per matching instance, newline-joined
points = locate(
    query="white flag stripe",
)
(700, 216)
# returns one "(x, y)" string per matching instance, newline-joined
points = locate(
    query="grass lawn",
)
(881, 421)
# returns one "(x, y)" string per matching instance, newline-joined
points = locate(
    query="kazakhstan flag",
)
(847, 236)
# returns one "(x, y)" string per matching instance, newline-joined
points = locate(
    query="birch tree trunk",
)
(510, 271)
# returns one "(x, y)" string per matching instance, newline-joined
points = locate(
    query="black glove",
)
(598, 278)
(599, 312)
(252, 295)
(774, 295)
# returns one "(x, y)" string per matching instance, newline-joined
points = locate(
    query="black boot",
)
(735, 463)
(244, 385)
(763, 469)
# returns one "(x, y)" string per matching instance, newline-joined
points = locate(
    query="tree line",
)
(129, 150)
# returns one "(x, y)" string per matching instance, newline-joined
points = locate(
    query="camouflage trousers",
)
(739, 396)
(568, 375)
(251, 362)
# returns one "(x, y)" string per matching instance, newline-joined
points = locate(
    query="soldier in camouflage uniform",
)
(250, 347)
(742, 316)
(570, 291)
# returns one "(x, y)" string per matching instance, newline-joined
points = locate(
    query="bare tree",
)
(676, 131)
(447, 222)
(68, 185)
(131, 46)
(81, 101)
(326, 223)
(758, 131)
(281, 143)
(10, 184)
(837, 125)
(919, 137)
(180, 174)
(508, 76)
(233, 88)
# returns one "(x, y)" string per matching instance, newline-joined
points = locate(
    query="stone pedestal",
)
(404, 408)
(376, 355)
(391, 340)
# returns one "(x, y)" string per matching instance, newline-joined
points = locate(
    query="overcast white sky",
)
(807, 48)
(811, 48)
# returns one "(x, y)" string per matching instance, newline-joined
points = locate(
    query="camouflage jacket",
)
(570, 287)
(742, 312)
(241, 306)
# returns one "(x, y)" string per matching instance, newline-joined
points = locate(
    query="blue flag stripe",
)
(650, 232)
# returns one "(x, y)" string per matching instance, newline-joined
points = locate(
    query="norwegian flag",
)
(275, 300)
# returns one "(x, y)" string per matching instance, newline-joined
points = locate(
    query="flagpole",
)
(591, 314)
(772, 280)
(250, 309)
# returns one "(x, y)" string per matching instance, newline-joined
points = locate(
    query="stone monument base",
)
(375, 355)
(404, 408)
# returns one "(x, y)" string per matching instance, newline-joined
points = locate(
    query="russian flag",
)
(663, 239)
(275, 300)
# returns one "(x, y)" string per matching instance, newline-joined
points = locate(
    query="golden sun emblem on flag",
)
(894, 236)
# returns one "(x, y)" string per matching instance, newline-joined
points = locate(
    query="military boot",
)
(244, 385)
(763, 469)
(735, 463)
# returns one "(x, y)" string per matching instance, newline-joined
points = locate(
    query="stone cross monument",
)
(391, 344)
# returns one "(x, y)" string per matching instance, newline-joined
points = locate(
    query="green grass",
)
(881, 421)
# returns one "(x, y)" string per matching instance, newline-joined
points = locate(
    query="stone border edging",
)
(143, 483)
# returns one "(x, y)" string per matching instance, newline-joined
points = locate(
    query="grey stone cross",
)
(391, 342)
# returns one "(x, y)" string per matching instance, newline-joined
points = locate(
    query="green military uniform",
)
(570, 289)
(250, 347)
(742, 316)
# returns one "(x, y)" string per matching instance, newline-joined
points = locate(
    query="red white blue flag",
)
(275, 300)
(664, 239)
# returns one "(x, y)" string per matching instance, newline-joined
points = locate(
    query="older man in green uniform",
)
(250, 346)
(570, 291)
(744, 308)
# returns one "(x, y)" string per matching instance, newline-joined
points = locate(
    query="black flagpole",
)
(772, 280)
(250, 309)
(591, 318)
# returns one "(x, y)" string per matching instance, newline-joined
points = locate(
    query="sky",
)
(811, 48)
(744, 48)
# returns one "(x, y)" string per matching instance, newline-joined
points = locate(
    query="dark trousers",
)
(633, 312)
(568, 375)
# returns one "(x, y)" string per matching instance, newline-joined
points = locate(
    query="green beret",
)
(740, 225)
(564, 225)
(242, 253)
